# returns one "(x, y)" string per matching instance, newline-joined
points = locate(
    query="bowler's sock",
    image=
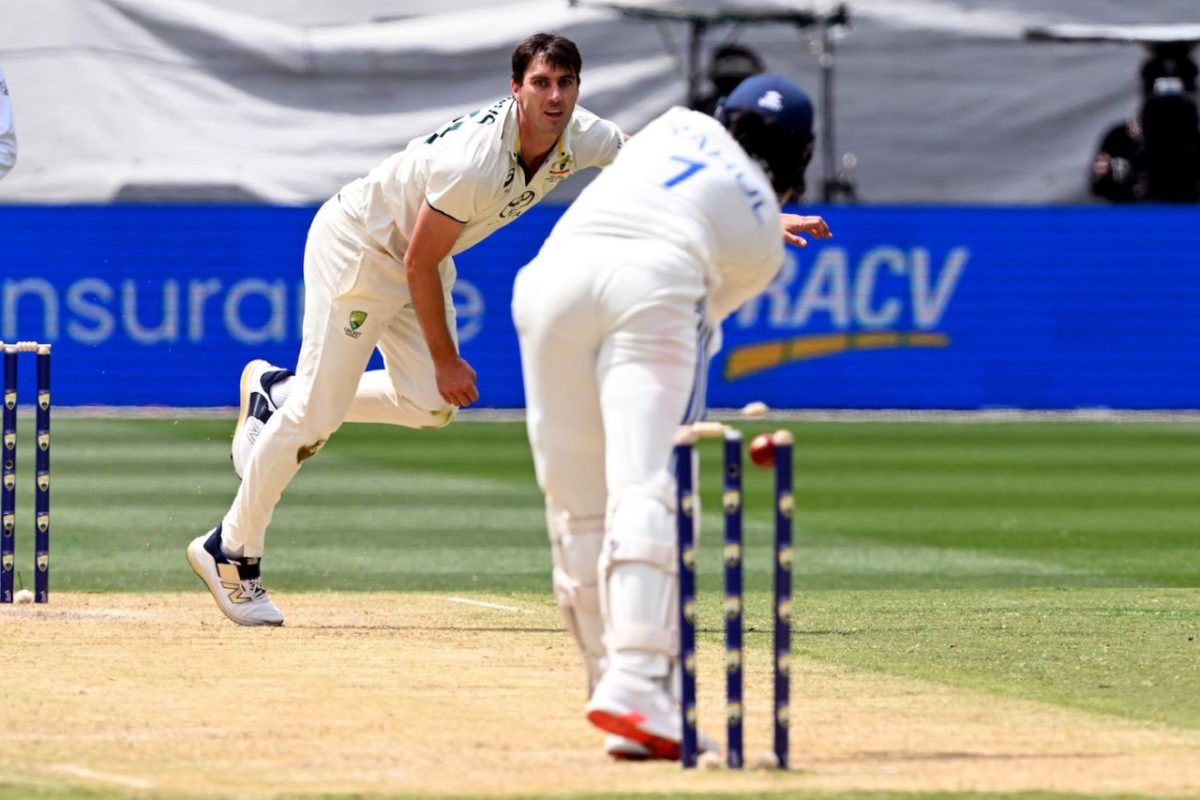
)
(230, 552)
(281, 391)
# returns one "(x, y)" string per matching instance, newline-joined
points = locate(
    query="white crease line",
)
(464, 601)
(103, 777)
(34, 613)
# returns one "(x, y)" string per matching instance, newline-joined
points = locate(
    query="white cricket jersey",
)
(469, 170)
(683, 185)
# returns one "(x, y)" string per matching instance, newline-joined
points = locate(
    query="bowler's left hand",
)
(794, 224)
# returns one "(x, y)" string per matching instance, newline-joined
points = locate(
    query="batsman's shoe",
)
(637, 708)
(622, 749)
(257, 407)
(234, 582)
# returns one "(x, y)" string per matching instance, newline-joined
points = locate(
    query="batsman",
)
(617, 317)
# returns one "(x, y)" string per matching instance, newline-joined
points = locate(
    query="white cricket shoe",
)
(622, 749)
(642, 710)
(619, 748)
(256, 408)
(235, 583)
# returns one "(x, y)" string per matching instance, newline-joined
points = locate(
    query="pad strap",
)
(647, 638)
(646, 551)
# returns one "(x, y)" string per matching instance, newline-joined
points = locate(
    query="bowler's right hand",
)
(456, 382)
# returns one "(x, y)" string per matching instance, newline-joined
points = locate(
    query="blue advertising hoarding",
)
(906, 307)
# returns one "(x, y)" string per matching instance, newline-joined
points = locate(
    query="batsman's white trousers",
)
(609, 347)
(356, 298)
(609, 331)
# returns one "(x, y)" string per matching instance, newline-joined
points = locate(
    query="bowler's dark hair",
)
(558, 50)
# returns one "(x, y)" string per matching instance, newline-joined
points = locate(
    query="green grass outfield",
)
(1054, 561)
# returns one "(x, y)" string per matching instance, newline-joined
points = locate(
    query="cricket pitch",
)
(389, 693)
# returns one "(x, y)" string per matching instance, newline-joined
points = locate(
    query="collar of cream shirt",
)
(559, 154)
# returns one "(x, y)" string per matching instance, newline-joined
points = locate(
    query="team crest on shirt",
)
(561, 168)
(357, 318)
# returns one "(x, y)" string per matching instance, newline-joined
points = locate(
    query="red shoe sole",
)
(626, 725)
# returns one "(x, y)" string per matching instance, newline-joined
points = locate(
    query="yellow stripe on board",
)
(761, 356)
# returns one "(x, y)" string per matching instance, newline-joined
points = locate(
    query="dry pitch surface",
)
(399, 693)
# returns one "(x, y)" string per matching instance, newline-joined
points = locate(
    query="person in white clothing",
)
(616, 317)
(378, 274)
(8, 134)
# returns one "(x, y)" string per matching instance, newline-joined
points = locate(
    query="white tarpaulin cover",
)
(940, 100)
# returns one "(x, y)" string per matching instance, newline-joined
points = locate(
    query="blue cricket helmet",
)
(772, 118)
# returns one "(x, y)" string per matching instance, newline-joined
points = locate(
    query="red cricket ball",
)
(762, 450)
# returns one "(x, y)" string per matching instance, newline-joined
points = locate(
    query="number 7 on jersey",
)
(690, 168)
